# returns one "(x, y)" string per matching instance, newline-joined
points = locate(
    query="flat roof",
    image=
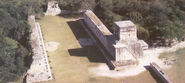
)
(125, 24)
(97, 22)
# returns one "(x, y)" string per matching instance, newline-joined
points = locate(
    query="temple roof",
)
(125, 24)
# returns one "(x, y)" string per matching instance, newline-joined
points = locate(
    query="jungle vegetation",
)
(15, 49)
(154, 19)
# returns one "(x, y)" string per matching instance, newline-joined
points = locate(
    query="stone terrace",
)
(40, 69)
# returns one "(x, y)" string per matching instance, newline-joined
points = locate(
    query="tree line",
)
(155, 19)
(15, 49)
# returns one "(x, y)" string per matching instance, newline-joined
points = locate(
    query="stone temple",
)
(53, 8)
(123, 44)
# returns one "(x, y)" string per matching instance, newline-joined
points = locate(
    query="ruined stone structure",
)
(53, 8)
(127, 46)
(123, 44)
(100, 30)
(40, 69)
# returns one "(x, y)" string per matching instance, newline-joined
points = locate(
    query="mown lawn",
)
(70, 62)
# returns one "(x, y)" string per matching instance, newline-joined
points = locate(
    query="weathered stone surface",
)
(53, 8)
(125, 30)
(98, 28)
(40, 68)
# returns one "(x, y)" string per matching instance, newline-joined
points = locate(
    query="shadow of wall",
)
(91, 52)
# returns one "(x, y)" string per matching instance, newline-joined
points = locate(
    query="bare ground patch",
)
(52, 46)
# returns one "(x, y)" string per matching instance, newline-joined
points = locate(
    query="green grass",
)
(70, 62)
(169, 55)
(175, 72)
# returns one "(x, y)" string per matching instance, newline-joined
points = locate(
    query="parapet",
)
(126, 25)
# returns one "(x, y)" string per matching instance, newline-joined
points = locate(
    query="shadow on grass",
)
(71, 15)
(154, 75)
(91, 52)
(77, 29)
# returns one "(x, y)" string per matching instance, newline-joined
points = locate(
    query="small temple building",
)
(53, 8)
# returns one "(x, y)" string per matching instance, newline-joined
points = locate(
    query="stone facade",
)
(125, 33)
(98, 28)
(53, 8)
(122, 52)
(123, 44)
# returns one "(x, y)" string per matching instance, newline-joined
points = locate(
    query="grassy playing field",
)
(70, 62)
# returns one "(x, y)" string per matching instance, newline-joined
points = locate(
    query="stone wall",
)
(99, 29)
(40, 68)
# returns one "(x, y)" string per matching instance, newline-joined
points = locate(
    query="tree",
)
(77, 5)
(156, 18)
(15, 36)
